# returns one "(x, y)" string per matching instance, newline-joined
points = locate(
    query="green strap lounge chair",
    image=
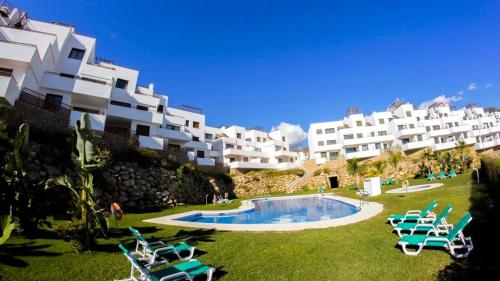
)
(442, 175)
(188, 270)
(154, 249)
(455, 240)
(431, 177)
(413, 215)
(453, 173)
(437, 227)
(388, 181)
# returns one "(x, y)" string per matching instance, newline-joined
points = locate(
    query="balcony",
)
(197, 145)
(366, 140)
(363, 154)
(38, 100)
(205, 161)
(124, 96)
(173, 136)
(151, 142)
(134, 114)
(97, 121)
(86, 88)
(18, 52)
(487, 144)
(448, 131)
(241, 152)
(287, 165)
(410, 132)
(444, 146)
(251, 165)
(417, 145)
(9, 89)
(285, 153)
(175, 120)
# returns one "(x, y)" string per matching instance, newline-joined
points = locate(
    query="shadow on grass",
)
(9, 254)
(482, 263)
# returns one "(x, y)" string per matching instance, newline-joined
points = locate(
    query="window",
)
(359, 123)
(475, 127)
(428, 128)
(364, 147)
(449, 125)
(173, 128)
(277, 148)
(412, 126)
(187, 123)
(239, 147)
(142, 107)
(238, 135)
(323, 154)
(195, 138)
(76, 54)
(7, 72)
(321, 143)
(349, 137)
(200, 154)
(160, 108)
(334, 155)
(408, 113)
(436, 127)
(359, 135)
(283, 138)
(350, 149)
(88, 110)
(119, 103)
(378, 146)
(142, 130)
(381, 121)
(372, 134)
(405, 140)
(229, 146)
(418, 118)
(465, 135)
(419, 138)
(456, 124)
(330, 142)
(330, 131)
(258, 139)
(319, 132)
(401, 127)
(382, 133)
(121, 83)
(67, 75)
(196, 124)
(208, 136)
(52, 102)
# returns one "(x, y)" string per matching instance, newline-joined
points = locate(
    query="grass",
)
(362, 251)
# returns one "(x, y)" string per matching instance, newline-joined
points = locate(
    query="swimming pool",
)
(281, 210)
(285, 213)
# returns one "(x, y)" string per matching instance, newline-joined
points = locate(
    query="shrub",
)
(322, 171)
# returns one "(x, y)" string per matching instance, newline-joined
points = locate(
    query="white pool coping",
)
(403, 190)
(368, 210)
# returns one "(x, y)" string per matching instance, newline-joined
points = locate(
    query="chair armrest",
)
(155, 243)
(424, 225)
(156, 264)
(413, 212)
(176, 276)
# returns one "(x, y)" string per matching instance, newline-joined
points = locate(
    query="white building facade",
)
(50, 66)
(402, 126)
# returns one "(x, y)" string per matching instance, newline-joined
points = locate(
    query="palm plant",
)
(427, 157)
(442, 160)
(354, 168)
(91, 220)
(395, 157)
(464, 154)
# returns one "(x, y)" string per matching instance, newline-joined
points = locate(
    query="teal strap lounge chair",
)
(455, 240)
(452, 173)
(431, 177)
(438, 227)
(388, 181)
(414, 215)
(442, 175)
(154, 249)
(188, 270)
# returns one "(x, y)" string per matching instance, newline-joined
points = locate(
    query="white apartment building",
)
(402, 126)
(50, 66)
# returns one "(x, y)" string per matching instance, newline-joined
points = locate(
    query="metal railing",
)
(38, 100)
(189, 108)
(5, 8)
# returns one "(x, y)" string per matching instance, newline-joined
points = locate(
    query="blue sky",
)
(266, 62)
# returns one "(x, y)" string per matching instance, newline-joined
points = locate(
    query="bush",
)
(322, 171)
(277, 173)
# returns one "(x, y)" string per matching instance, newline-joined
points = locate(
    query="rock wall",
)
(248, 185)
(321, 178)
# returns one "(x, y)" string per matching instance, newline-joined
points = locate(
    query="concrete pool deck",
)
(415, 188)
(368, 210)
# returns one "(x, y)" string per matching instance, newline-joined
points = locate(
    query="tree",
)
(395, 157)
(463, 152)
(91, 220)
(354, 168)
(427, 157)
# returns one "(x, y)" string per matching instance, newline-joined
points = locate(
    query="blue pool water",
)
(274, 211)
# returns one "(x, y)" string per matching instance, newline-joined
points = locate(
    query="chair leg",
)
(411, 253)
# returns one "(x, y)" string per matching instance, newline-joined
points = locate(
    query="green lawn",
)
(361, 251)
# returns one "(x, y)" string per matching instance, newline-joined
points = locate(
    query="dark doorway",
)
(334, 182)
(142, 130)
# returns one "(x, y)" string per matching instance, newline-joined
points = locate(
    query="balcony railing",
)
(189, 109)
(38, 100)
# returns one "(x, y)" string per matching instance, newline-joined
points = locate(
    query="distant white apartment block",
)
(50, 66)
(402, 126)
